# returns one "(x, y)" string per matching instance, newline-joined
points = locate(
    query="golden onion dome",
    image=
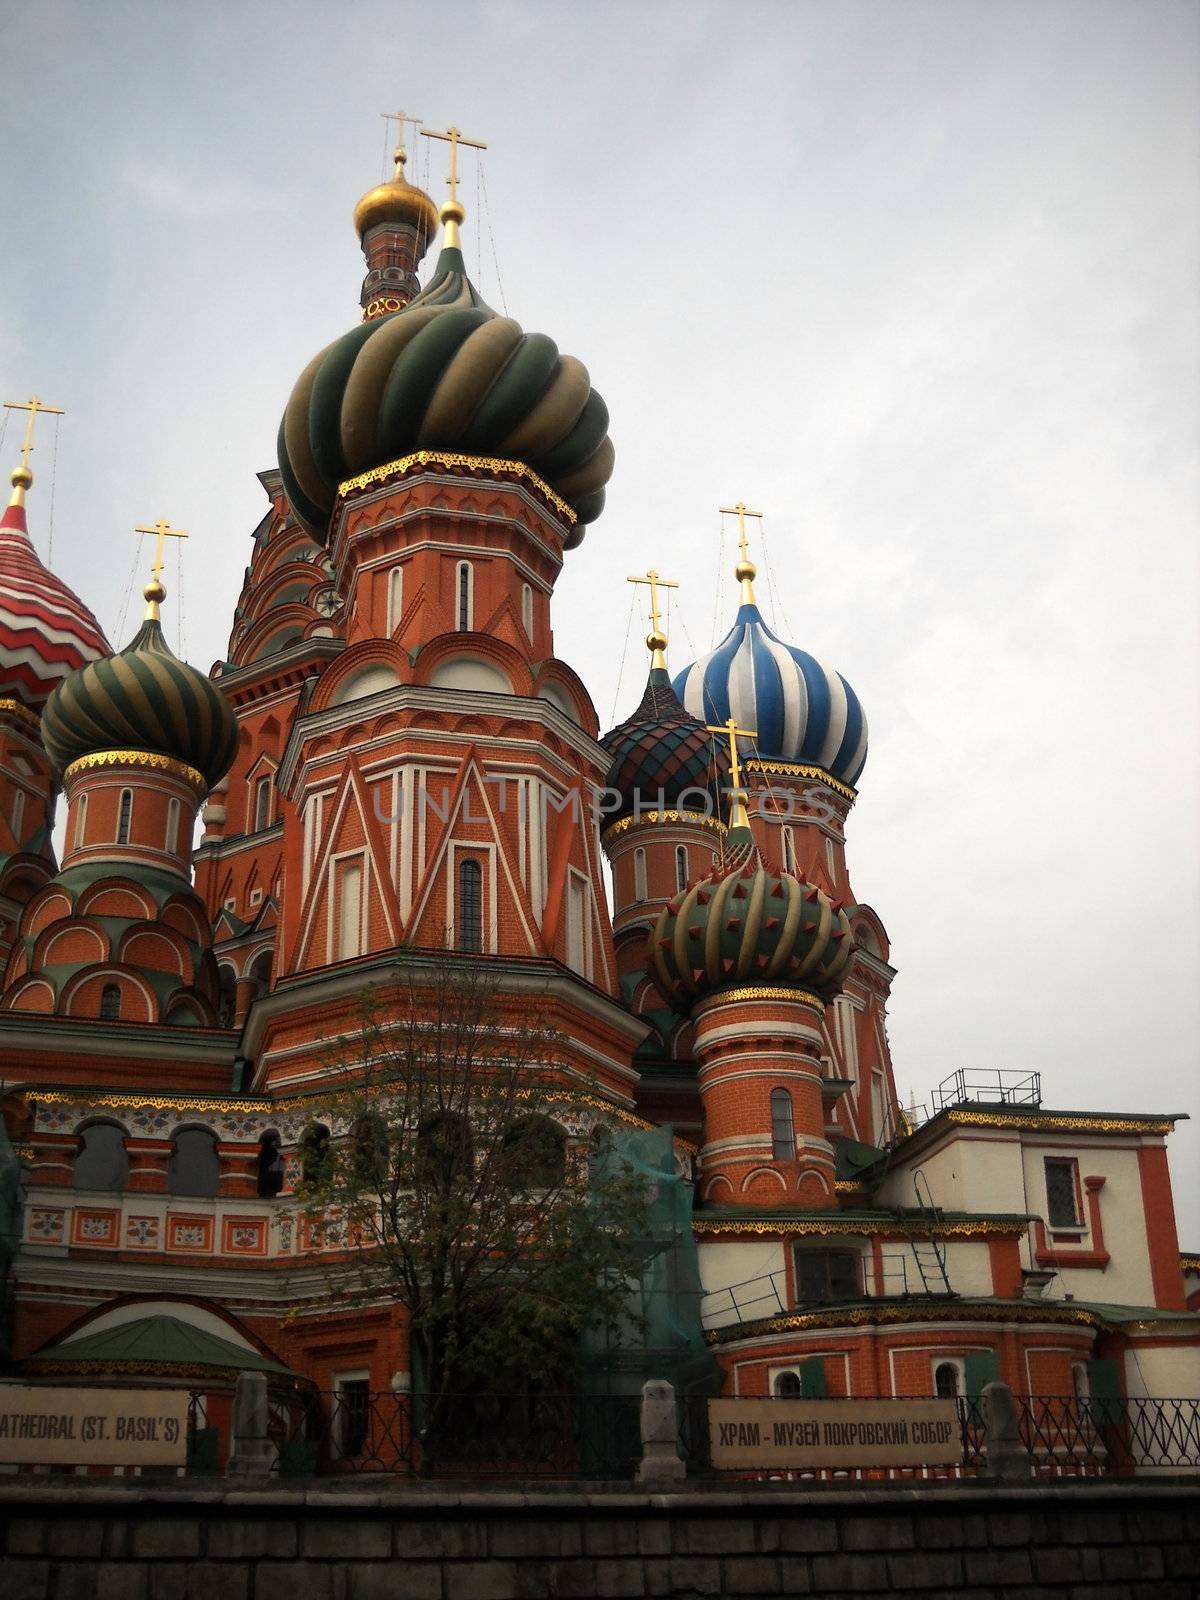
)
(398, 202)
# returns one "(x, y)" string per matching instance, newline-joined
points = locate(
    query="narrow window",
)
(783, 1132)
(470, 906)
(171, 841)
(352, 1415)
(81, 820)
(227, 996)
(194, 1168)
(18, 814)
(102, 1162)
(465, 596)
(124, 814)
(946, 1381)
(577, 925)
(395, 599)
(527, 609)
(270, 1165)
(350, 913)
(789, 850)
(314, 1152)
(110, 1003)
(681, 868)
(262, 803)
(1062, 1193)
(639, 874)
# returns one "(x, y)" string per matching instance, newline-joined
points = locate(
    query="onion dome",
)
(46, 632)
(143, 698)
(745, 925)
(803, 712)
(660, 753)
(398, 203)
(444, 374)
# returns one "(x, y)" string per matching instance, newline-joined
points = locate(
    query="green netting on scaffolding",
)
(10, 1233)
(664, 1337)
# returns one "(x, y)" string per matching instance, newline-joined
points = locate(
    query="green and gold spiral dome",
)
(445, 373)
(145, 699)
(745, 925)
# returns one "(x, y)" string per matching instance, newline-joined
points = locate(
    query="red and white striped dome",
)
(46, 632)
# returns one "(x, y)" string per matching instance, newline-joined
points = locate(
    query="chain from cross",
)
(403, 118)
(162, 531)
(741, 511)
(655, 583)
(454, 137)
(33, 405)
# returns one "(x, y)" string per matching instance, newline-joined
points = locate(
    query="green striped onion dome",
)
(749, 926)
(446, 373)
(143, 698)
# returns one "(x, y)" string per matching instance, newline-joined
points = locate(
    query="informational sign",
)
(92, 1427)
(805, 1435)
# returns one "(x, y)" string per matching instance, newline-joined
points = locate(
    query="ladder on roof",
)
(929, 1253)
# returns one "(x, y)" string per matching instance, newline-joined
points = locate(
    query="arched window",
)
(171, 839)
(466, 596)
(395, 599)
(789, 850)
(81, 820)
(533, 1154)
(262, 802)
(681, 868)
(110, 1003)
(194, 1168)
(370, 1149)
(527, 609)
(314, 1152)
(350, 912)
(102, 1162)
(226, 996)
(788, 1386)
(260, 970)
(18, 813)
(470, 905)
(946, 1380)
(443, 1149)
(270, 1165)
(783, 1132)
(639, 874)
(124, 816)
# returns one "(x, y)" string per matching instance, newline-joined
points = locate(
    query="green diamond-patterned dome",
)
(660, 752)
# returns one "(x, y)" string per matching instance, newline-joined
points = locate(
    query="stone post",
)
(661, 1463)
(1007, 1458)
(253, 1454)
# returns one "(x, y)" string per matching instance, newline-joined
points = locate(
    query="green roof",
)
(155, 1341)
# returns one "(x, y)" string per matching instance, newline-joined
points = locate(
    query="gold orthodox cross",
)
(33, 405)
(402, 117)
(454, 137)
(737, 808)
(656, 639)
(162, 531)
(741, 511)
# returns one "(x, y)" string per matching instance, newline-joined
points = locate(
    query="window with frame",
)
(110, 1003)
(823, 1276)
(789, 850)
(1062, 1192)
(947, 1380)
(353, 1414)
(639, 874)
(464, 597)
(102, 1161)
(124, 816)
(470, 906)
(681, 868)
(262, 803)
(527, 610)
(81, 821)
(783, 1129)
(171, 836)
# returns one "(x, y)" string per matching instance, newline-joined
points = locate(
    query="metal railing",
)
(992, 1086)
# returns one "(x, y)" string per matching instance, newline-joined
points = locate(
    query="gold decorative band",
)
(1081, 1122)
(20, 711)
(874, 1227)
(688, 819)
(788, 769)
(382, 306)
(912, 1311)
(138, 758)
(766, 992)
(443, 458)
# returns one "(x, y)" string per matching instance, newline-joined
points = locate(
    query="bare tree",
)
(466, 1176)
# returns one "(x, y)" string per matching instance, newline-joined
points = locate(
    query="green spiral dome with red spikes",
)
(749, 926)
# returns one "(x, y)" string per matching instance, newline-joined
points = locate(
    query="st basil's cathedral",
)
(392, 755)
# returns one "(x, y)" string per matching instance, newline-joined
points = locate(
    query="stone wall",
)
(374, 1542)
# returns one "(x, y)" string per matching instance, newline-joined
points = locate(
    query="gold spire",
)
(154, 593)
(22, 477)
(745, 571)
(452, 212)
(397, 200)
(738, 817)
(656, 639)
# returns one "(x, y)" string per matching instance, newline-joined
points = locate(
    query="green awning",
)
(152, 1345)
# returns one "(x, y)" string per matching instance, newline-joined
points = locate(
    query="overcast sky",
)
(918, 280)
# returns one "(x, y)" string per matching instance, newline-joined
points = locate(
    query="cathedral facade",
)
(393, 757)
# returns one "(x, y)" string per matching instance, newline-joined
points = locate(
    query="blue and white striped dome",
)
(803, 712)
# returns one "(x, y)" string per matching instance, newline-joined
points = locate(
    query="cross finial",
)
(452, 212)
(22, 476)
(656, 639)
(154, 591)
(745, 570)
(737, 804)
(403, 118)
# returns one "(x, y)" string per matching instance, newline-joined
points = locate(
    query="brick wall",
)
(127, 1542)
